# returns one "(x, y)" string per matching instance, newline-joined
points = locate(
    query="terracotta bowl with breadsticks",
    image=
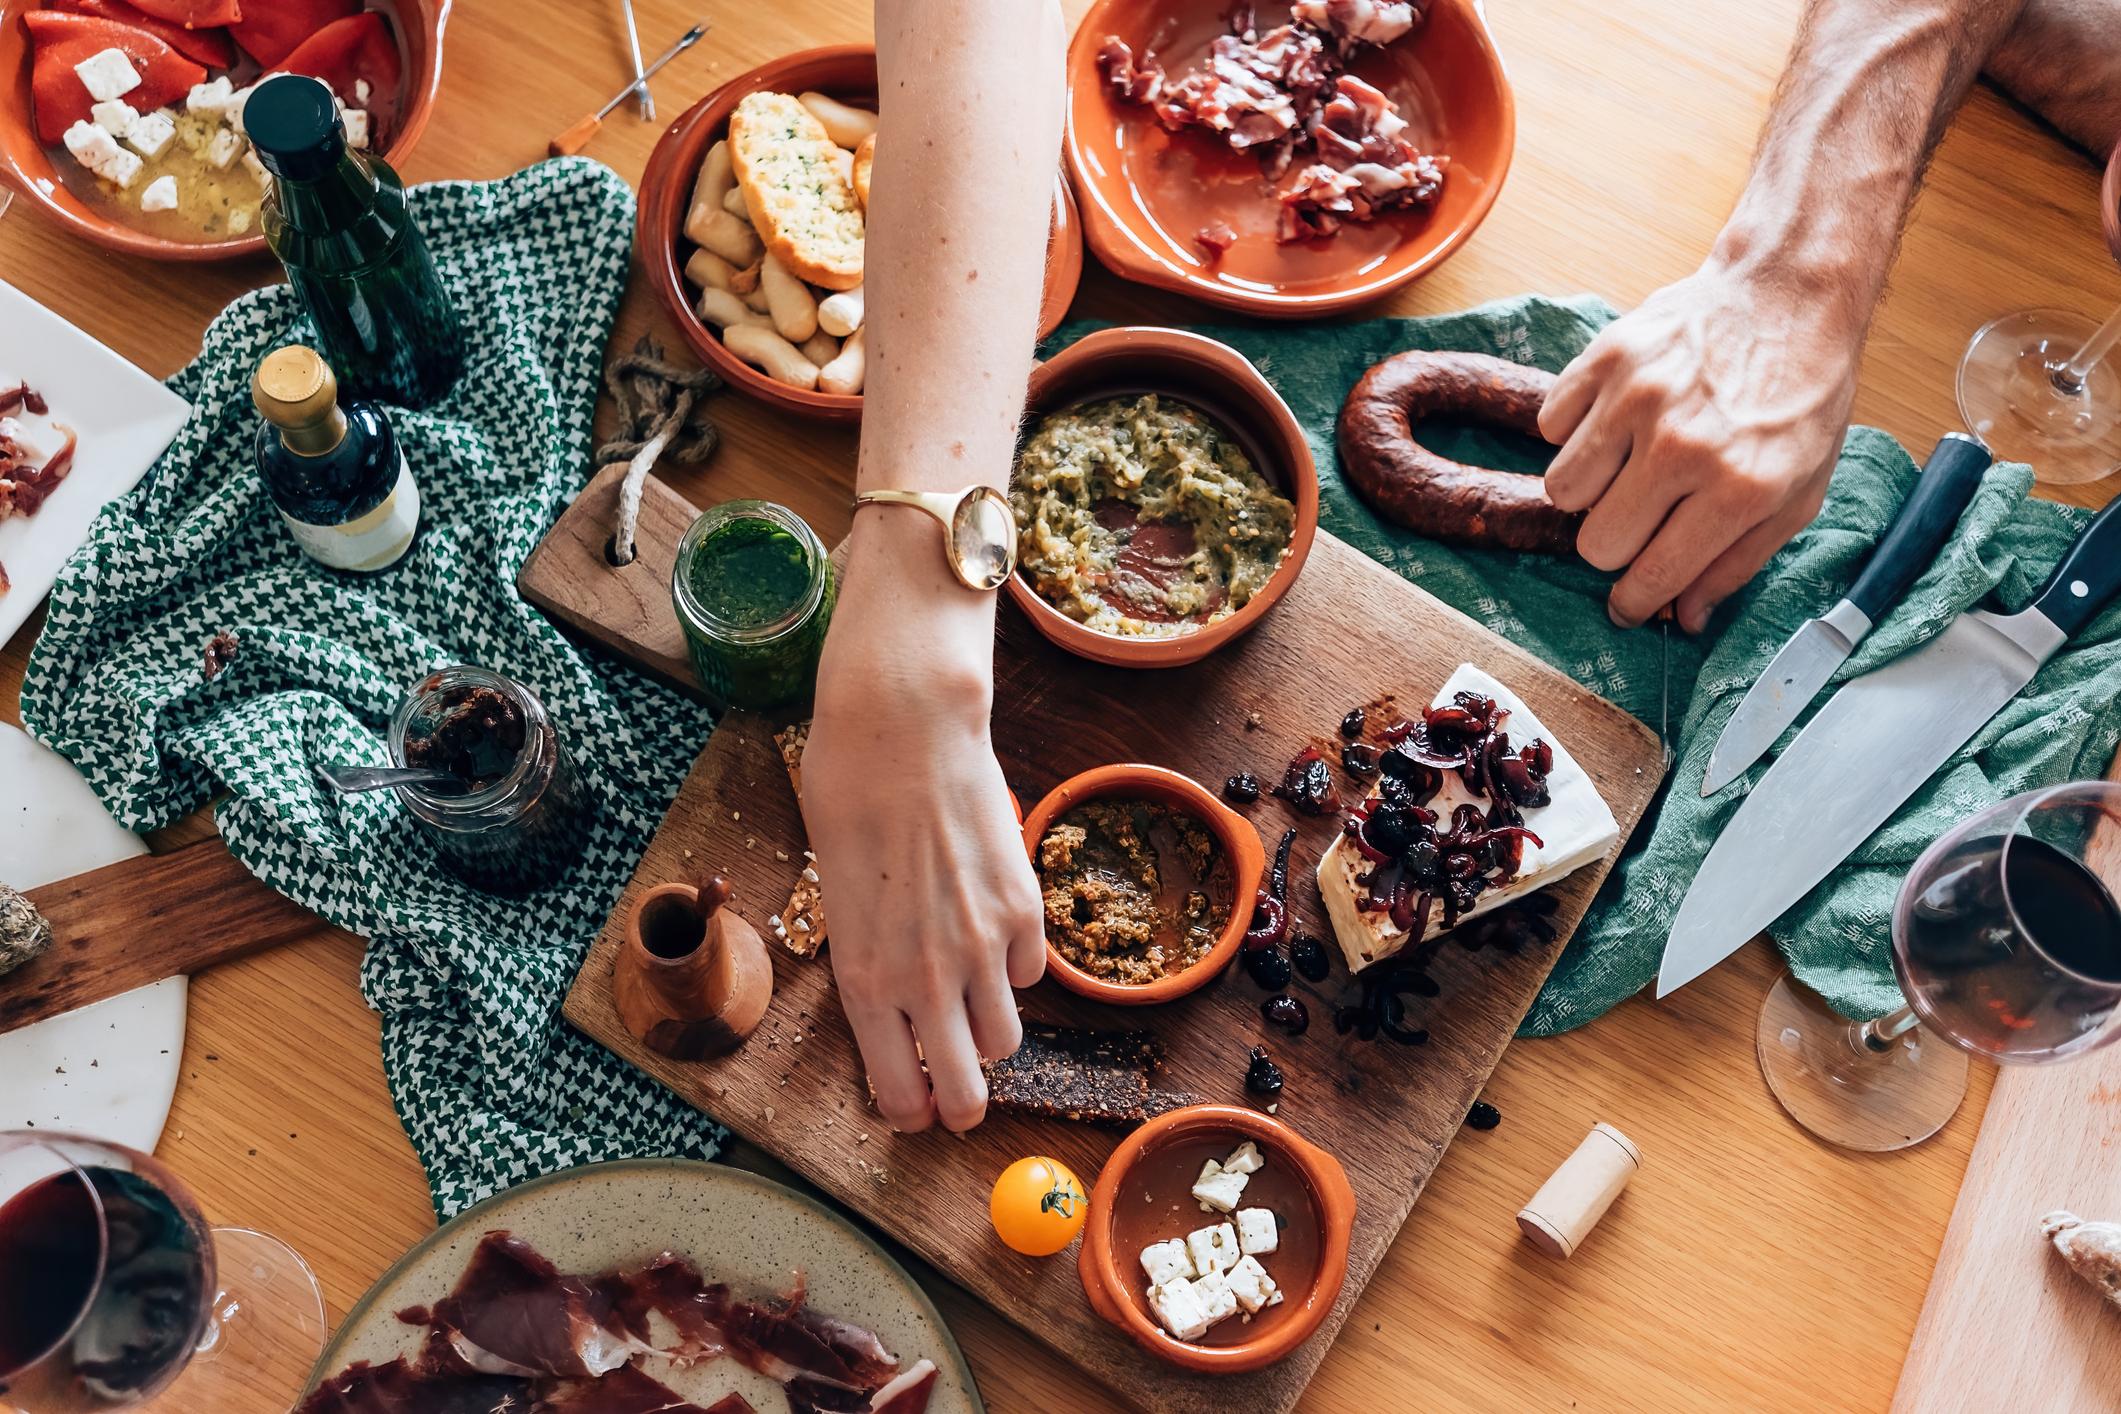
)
(751, 224)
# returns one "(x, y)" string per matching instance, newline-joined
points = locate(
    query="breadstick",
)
(820, 348)
(733, 203)
(781, 361)
(844, 125)
(756, 295)
(845, 373)
(709, 271)
(788, 300)
(717, 175)
(723, 310)
(725, 235)
(841, 314)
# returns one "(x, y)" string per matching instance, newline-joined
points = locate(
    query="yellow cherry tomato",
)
(1037, 1206)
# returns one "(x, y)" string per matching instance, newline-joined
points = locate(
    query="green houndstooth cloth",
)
(493, 1087)
(2063, 726)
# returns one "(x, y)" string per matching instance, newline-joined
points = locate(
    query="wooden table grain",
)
(1748, 1267)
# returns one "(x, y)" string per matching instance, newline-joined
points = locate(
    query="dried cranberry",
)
(1269, 967)
(1241, 789)
(1286, 1012)
(1307, 784)
(1263, 1077)
(1483, 1115)
(1359, 758)
(1311, 958)
(1351, 725)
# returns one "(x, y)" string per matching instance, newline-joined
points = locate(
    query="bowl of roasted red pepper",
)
(124, 117)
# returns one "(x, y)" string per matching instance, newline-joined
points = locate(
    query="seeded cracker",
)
(1097, 1077)
(802, 922)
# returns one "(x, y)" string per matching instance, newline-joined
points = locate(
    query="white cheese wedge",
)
(1218, 1188)
(150, 133)
(1245, 1159)
(1257, 1232)
(1575, 829)
(161, 195)
(1213, 1249)
(1218, 1301)
(107, 74)
(1249, 1283)
(1180, 1309)
(1167, 1261)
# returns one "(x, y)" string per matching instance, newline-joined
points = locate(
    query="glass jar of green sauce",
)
(754, 592)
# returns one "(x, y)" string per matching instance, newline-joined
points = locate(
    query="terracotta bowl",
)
(26, 166)
(1113, 1280)
(1146, 192)
(846, 72)
(1232, 831)
(1221, 382)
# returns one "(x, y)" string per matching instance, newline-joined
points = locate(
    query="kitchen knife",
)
(1948, 482)
(1871, 747)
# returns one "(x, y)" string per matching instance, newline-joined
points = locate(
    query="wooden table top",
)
(1748, 1267)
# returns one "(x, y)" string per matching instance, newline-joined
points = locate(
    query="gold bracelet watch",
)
(978, 526)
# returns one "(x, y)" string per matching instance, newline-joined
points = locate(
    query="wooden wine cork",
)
(1569, 1204)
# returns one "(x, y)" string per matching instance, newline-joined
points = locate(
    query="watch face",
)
(983, 538)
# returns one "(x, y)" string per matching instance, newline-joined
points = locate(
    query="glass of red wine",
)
(112, 1287)
(2007, 944)
(2038, 386)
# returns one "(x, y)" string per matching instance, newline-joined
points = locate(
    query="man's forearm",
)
(1869, 89)
(2063, 59)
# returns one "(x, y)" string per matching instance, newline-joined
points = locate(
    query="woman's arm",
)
(934, 910)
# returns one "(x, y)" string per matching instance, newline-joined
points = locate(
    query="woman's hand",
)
(933, 909)
(1699, 432)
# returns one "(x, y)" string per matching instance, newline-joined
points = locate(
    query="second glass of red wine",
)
(114, 1292)
(2007, 945)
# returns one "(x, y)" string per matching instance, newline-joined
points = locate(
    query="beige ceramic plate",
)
(738, 1227)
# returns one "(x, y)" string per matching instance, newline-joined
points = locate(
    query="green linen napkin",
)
(1837, 939)
(493, 1087)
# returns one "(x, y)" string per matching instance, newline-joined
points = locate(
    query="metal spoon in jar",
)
(351, 780)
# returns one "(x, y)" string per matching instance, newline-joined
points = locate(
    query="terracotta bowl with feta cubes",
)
(124, 121)
(1218, 1238)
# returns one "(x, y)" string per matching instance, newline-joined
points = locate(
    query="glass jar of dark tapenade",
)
(754, 592)
(521, 818)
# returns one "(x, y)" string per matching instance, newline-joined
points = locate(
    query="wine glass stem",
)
(2069, 377)
(1880, 1034)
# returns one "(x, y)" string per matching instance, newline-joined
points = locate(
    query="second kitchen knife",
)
(1788, 684)
(1872, 746)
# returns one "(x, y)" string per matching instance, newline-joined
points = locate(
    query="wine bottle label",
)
(370, 542)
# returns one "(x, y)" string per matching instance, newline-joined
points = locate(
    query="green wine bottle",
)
(338, 221)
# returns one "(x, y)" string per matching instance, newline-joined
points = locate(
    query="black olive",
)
(1359, 758)
(1352, 724)
(1263, 1077)
(1311, 958)
(1269, 967)
(1242, 788)
(1345, 1018)
(1483, 1115)
(1286, 1012)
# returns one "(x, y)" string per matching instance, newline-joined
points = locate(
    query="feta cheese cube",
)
(90, 144)
(151, 132)
(211, 97)
(121, 170)
(161, 195)
(1257, 1232)
(1218, 1188)
(1218, 1301)
(1249, 1283)
(252, 165)
(1213, 1249)
(225, 148)
(238, 220)
(232, 111)
(1178, 1306)
(115, 117)
(356, 121)
(1245, 1160)
(1166, 1261)
(108, 74)
(361, 92)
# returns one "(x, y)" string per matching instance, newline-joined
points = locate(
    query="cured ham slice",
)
(397, 1388)
(1353, 23)
(513, 1313)
(625, 1390)
(908, 1394)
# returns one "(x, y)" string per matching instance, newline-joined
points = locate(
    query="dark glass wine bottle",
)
(338, 221)
(333, 469)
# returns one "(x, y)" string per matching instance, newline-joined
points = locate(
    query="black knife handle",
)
(2088, 576)
(1948, 481)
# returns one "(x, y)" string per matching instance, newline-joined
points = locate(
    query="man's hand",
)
(1699, 432)
(930, 897)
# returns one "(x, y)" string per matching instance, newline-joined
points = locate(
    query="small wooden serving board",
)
(1347, 631)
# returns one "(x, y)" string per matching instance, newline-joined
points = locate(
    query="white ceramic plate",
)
(124, 418)
(736, 1226)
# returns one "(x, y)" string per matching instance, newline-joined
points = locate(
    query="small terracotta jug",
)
(693, 978)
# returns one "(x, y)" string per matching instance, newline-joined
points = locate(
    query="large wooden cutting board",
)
(1347, 631)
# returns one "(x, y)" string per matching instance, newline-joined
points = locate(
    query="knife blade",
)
(1872, 746)
(1919, 529)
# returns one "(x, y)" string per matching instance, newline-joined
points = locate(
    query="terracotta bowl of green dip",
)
(1183, 371)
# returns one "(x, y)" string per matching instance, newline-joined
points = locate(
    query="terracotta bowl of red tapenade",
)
(1143, 1196)
(1113, 932)
(1169, 384)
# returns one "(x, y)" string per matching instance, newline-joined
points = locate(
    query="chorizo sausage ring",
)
(1431, 494)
